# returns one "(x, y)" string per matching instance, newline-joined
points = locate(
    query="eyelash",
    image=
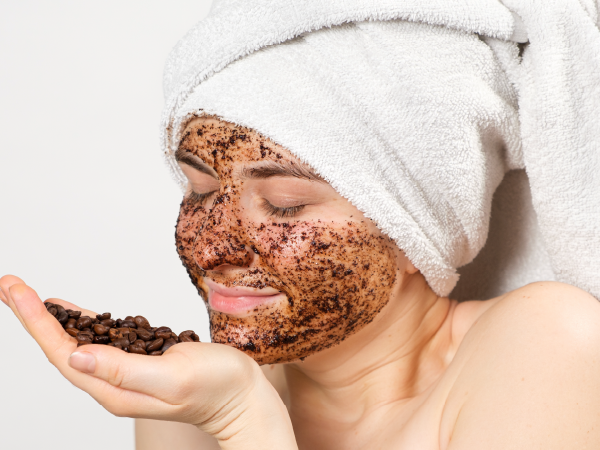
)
(196, 198)
(282, 213)
(271, 210)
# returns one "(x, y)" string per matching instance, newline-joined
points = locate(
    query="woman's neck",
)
(392, 360)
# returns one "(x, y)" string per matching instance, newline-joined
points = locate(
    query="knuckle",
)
(116, 375)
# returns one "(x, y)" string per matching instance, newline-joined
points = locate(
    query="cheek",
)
(329, 266)
(188, 223)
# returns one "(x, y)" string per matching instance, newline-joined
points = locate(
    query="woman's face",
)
(286, 266)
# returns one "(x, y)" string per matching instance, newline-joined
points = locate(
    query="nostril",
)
(222, 253)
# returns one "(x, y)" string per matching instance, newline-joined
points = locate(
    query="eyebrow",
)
(279, 169)
(186, 157)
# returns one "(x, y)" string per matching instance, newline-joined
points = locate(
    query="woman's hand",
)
(214, 387)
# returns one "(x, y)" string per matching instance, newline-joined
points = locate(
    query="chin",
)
(272, 339)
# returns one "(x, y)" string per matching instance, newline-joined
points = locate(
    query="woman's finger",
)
(149, 375)
(41, 325)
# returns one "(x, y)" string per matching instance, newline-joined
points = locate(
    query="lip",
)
(239, 300)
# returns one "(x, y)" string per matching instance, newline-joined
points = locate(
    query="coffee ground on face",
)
(132, 334)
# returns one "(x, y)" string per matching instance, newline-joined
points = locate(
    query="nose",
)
(221, 239)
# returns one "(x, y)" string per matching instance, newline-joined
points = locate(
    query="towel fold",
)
(415, 111)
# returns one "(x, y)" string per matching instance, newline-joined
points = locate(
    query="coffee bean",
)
(100, 329)
(138, 350)
(144, 334)
(74, 314)
(114, 334)
(101, 340)
(72, 331)
(84, 322)
(128, 324)
(154, 345)
(108, 322)
(84, 339)
(141, 322)
(132, 334)
(163, 333)
(168, 344)
(188, 336)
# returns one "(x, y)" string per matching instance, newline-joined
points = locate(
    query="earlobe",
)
(410, 268)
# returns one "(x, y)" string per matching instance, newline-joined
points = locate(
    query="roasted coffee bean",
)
(114, 334)
(101, 340)
(144, 334)
(154, 345)
(132, 334)
(62, 317)
(108, 322)
(139, 343)
(74, 314)
(84, 322)
(100, 329)
(123, 342)
(141, 322)
(188, 336)
(137, 350)
(84, 339)
(163, 333)
(168, 344)
(72, 331)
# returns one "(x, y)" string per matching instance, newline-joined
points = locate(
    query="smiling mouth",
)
(239, 301)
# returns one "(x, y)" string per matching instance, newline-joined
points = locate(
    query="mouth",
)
(239, 301)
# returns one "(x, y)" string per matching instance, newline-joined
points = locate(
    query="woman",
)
(334, 254)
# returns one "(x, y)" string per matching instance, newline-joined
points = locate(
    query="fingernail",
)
(83, 361)
(3, 298)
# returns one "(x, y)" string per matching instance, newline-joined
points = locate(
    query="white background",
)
(87, 206)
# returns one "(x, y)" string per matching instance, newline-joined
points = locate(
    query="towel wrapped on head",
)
(415, 111)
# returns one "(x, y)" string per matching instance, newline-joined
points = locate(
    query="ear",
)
(410, 268)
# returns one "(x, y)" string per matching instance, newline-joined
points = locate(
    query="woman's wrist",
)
(261, 421)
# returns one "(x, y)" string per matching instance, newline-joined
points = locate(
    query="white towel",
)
(415, 110)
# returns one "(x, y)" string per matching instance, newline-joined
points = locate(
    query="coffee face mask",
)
(286, 266)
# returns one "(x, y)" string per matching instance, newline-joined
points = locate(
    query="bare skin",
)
(403, 363)
(376, 359)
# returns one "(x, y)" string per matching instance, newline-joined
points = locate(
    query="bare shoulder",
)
(530, 364)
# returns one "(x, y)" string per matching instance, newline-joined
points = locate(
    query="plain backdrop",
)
(87, 206)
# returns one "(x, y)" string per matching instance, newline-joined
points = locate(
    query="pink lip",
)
(238, 300)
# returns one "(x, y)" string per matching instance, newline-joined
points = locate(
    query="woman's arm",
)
(162, 435)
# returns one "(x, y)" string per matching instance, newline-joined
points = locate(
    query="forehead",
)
(218, 142)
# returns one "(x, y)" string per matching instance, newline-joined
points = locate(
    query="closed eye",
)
(199, 199)
(282, 213)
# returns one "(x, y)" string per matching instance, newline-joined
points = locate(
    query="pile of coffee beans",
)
(131, 334)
